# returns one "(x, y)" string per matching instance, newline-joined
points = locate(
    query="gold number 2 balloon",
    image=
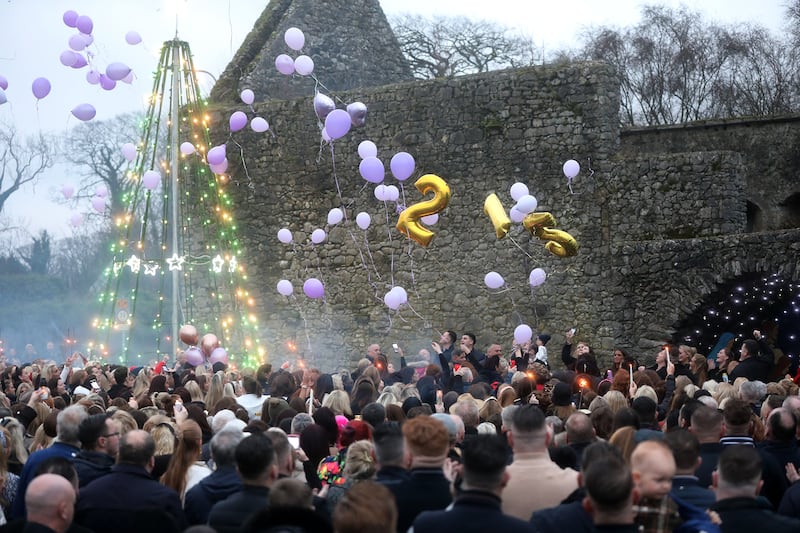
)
(409, 221)
(559, 242)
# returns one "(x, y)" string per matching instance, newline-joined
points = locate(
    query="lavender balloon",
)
(493, 280)
(220, 168)
(367, 149)
(107, 83)
(216, 155)
(518, 190)
(3, 97)
(285, 287)
(363, 220)
(40, 87)
(294, 38)
(247, 96)
(76, 42)
(84, 24)
(194, 356)
(285, 236)
(323, 105)
(318, 236)
(76, 220)
(68, 58)
(151, 179)
(259, 125)
(537, 277)
(372, 170)
(313, 288)
(358, 114)
(99, 204)
(70, 17)
(84, 112)
(93, 77)
(304, 65)
(80, 62)
(337, 123)
(3, 83)
(117, 71)
(402, 165)
(67, 191)
(101, 191)
(133, 38)
(571, 168)
(284, 64)
(237, 121)
(218, 355)
(187, 148)
(128, 151)
(523, 333)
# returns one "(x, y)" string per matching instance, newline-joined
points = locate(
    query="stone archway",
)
(741, 304)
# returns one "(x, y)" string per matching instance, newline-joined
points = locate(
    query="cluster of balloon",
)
(238, 119)
(396, 297)
(200, 348)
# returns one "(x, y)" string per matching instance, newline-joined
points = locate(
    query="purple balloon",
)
(68, 58)
(313, 288)
(84, 112)
(40, 87)
(76, 42)
(3, 97)
(402, 165)
(3, 82)
(358, 113)
(117, 71)
(70, 17)
(220, 168)
(151, 179)
(284, 64)
(216, 155)
(218, 355)
(84, 24)
(194, 356)
(248, 96)
(237, 121)
(133, 37)
(323, 105)
(107, 83)
(372, 170)
(259, 124)
(93, 77)
(99, 204)
(80, 61)
(337, 123)
(128, 151)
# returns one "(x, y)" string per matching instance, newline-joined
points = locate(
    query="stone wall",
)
(655, 229)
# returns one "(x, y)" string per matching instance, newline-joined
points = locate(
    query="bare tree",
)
(21, 161)
(95, 148)
(444, 47)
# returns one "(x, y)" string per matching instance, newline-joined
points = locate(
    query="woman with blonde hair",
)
(142, 382)
(616, 400)
(195, 393)
(625, 439)
(41, 440)
(359, 465)
(216, 390)
(338, 401)
(9, 480)
(17, 452)
(185, 468)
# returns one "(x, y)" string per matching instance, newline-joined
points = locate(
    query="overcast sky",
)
(32, 36)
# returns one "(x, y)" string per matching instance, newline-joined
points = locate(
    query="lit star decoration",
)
(217, 263)
(232, 265)
(134, 263)
(151, 269)
(176, 262)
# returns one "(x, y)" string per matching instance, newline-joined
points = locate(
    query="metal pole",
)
(174, 130)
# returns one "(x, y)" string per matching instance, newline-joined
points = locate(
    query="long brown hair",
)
(186, 453)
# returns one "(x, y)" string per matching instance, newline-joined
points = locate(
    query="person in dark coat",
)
(255, 460)
(427, 441)
(128, 499)
(99, 435)
(737, 482)
(477, 506)
(223, 482)
(685, 485)
(389, 453)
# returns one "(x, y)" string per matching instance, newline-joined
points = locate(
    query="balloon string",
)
(426, 322)
(535, 312)
(363, 261)
(389, 231)
(520, 247)
(318, 84)
(369, 253)
(305, 321)
(250, 185)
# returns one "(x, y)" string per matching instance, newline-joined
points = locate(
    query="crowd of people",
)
(456, 439)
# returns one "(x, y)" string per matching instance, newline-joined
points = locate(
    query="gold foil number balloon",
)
(409, 221)
(559, 242)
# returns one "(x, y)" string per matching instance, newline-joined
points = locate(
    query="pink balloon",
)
(40, 87)
(133, 37)
(68, 58)
(313, 288)
(76, 220)
(284, 64)
(101, 191)
(67, 191)
(337, 123)
(76, 42)
(216, 155)
(304, 65)
(84, 24)
(99, 204)
(237, 121)
(70, 17)
(372, 170)
(117, 71)
(194, 356)
(187, 148)
(402, 165)
(218, 355)
(151, 180)
(84, 112)
(294, 38)
(3, 83)
(247, 96)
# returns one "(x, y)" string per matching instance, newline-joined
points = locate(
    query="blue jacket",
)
(472, 512)
(213, 488)
(58, 449)
(688, 489)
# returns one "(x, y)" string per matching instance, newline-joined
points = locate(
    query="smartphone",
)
(45, 393)
(395, 348)
(294, 440)
(95, 386)
(178, 406)
(573, 331)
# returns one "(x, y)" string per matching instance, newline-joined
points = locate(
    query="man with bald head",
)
(373, 351)
(128, 498)
(50, 501)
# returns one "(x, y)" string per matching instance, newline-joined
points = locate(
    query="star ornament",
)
(216, 264)
(176, 262)
(150, 269)
(232, 264)
(134, 263)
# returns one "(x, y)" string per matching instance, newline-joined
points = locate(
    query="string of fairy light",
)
(750, 302)
(213, 295)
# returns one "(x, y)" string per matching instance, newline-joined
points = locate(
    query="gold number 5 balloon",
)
(409, 221)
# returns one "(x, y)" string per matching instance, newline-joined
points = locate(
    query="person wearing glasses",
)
(99, 436)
